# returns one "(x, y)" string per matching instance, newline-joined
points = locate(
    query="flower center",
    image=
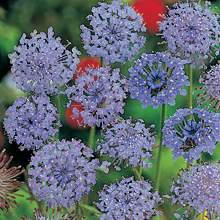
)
(190, 130)
(32, 120)
(114, 33)
(95, 94)
(156, 80)
(63, 174)
(191, 34)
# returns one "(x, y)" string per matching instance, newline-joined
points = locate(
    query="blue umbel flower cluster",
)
(65, 175)
(157, 79)
(189, 132)
(116, 32)
(210, 89)
(31, 122)
(41, 64)
(128, 142)
(190, 30)
(199, 188)
(128, 199)
(101, 92)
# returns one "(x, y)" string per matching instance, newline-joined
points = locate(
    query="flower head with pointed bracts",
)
(116, 32)
(211, 87)
(41, 64)
(157, 79)
(101, 92)
(190, 30)
(199, 188)
(8, 182)
(129, 142)
(63, 176)
(189, 132)
(31, 122)
(128, 199)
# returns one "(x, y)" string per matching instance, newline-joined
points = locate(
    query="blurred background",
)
(66, 16)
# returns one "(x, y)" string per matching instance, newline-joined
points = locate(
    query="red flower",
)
(72, 119)
(151, 11)
(85, 63)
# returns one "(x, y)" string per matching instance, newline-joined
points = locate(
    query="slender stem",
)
(158, 162)
(41, 206)
(137, 173)
(57, 101)
(190, 88)
(91, 141)
(78, 212)
(90, 209)
(101, 62)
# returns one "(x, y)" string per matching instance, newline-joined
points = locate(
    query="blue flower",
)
(189, 132)
(42, 64)
(31, 122)
(190, 30)
(101, 92)
(157, 79)
(116, 33)
(128, 142)
(210, 89)
(128, 199)
(199, 189)
(63, 176)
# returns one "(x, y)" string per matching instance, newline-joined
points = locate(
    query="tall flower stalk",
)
(159, 154)
(190, 88)
(91, 140)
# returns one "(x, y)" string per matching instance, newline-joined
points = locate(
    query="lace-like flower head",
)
(116, 33)
(31, 122)
(8, 182)
(211, 87)
(128, 199)
(199, 188)
(190, 30)
(41, 64)
(129, 142)
(101, 93)
(192, 131)
(157, 79)
(63, 176)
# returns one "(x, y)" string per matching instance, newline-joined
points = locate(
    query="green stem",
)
(56, 100)
(158, 162)
(78, 212)
(91, 141)
(137, 173)
(190, 88)
(90, 209)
